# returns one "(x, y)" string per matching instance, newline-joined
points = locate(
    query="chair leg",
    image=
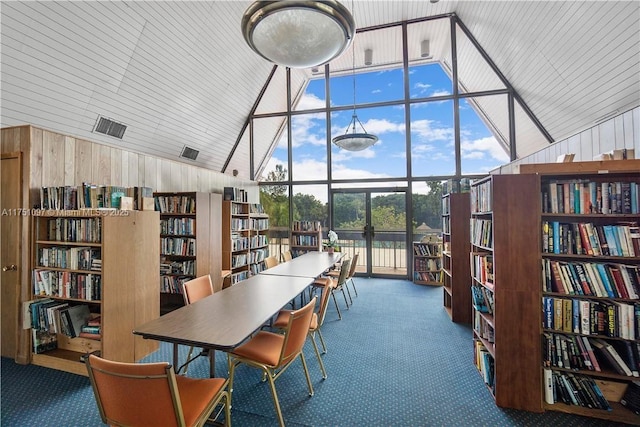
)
(348, 292)
(274, 395)
(306, 373)
(353, 284)
(336, 303)
(227, 409)
(232, 370)
(345, 297)
(315, 347)
(324, 346)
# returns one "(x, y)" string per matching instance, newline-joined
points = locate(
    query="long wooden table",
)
(225, 319)
(311, 264)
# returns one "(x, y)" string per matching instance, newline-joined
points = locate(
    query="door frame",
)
(367, 191)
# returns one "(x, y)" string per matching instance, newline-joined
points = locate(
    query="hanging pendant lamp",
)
(298, 33)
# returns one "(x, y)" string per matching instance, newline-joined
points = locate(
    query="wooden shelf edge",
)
(618, 414)
(62, 360)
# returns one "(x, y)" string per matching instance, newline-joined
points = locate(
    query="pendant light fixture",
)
(354, 140)
(298, 33)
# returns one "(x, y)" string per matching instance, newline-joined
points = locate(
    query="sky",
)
(432, 128)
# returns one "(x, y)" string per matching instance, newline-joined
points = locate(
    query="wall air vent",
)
(109, 127)
(189, 153)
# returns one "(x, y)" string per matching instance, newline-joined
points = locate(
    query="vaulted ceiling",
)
(178, 73)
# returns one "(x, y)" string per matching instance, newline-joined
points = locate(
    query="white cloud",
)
(380, 126)
(309, 101)
(425, 130)
(422, 87)
(376, 91)
(487, 145)
(441, 92)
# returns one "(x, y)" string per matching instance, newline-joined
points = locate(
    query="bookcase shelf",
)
(589, 305)
(427, 263)
(506, 309)
(455, 256)
(190, 219)
(306, 236)
(129, 255)
(245, 242)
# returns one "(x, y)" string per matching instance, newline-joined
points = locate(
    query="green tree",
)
(307, 208)
(274, 198)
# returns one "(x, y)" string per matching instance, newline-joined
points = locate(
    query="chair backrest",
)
(296, 332)
(135, 394)
(344, 271)
(196, 289)
(354, 264)
(287, 256)
(324, 303)
(271, 261)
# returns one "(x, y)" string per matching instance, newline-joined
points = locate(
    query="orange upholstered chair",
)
(287, 256)
(335, 284)
(151, 394)
(273, 353)
(317, 320)
(192, 291)
(352, 272)
(270, 261)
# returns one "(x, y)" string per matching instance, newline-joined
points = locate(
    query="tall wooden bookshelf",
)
(189, 242)
(427, 263)
(236, 239)
(505, 269)
(456, 212)
(306, 236)
(587, 245)
(259, 243)
(124, 284)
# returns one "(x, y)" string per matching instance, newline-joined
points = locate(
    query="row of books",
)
(485, 363)
(54, 317)
(240, 224)
(66, 284)
(428, 276)
(181, 246)
(259, 223)
(456, 186)
(258, 255)
(571, 389)
(427, 264)
(306, 226)
(590, 197)
(85, 230)
(591, 354)
(178, 204)
(304, 240)
(256, 209)
(92, 330)
(480, 196)
(178, 226)
(74, 258)
(172, 284)
(591, 279)
(427, 249)
(90, 196)
(482, 299)
(187, 267)
(483, 328)
(481, 232)
(239, 209)
(239, 276)
(239, 243)
(587, 317)
(239, 260)
(446, 224)
(621, 240)
(482, 267)
(235, 194)
(257, 268)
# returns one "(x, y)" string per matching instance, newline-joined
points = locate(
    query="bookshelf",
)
(107, 260)
(505, 270)
(590, 252)
(427, 263)
(259, 243)
(189, 242)
(306, 236)
(456, 214)
(236, 240)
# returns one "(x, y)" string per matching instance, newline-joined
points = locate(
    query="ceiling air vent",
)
(109, 127)
(189, 153)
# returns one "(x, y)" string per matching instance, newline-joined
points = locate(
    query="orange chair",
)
(352, 272)
(273, 353)
(192, 291)
(151, 394)
(335, 284)
(316, 322)
(270, 261)
(287, 256)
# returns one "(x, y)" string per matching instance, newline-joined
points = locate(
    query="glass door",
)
(373, 223)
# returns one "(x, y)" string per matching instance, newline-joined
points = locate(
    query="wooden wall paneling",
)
(149, 171)
(11, 140)
(636, 130)
(586, 145)
(116, 167)
(132, 166)
(176, 181)
(101, 165)
(618, 131)
(35, 165)
(606, 132)
(163, 174)
(69, 161)
(84, 150)
(215, 212)
(52, 159)
(627, 133)
(191, 178)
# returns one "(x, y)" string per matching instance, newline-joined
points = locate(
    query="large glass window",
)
(309, 147)
(432, 139)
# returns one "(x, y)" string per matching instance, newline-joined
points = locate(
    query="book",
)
(610, 354)
(76, 317)
(631, 397)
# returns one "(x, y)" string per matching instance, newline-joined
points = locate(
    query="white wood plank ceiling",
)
(178, 73)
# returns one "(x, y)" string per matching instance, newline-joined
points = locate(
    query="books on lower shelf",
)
(91, 196)
(571, 389)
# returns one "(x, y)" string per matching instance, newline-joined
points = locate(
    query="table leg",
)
(212, 363)
(175, 356)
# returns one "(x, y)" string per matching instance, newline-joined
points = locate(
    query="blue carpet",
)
(395, 359)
